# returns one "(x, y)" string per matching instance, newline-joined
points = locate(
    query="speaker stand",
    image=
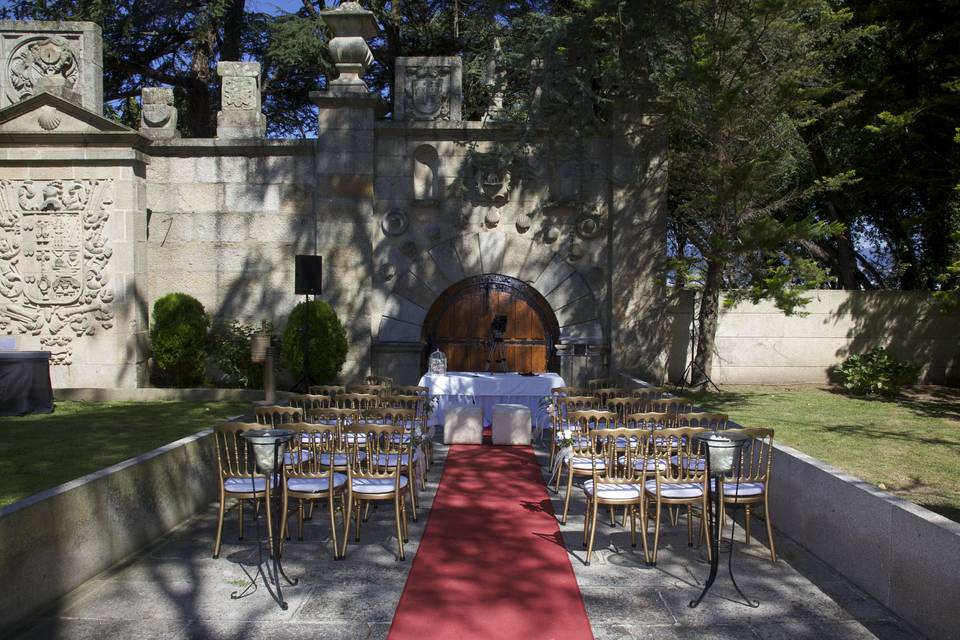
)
(304, 382)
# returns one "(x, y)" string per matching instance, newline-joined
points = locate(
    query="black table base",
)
(275, 532)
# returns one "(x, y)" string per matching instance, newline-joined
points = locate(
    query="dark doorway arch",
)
(458, 323)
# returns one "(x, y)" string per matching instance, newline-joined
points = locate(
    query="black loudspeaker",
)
(309, 276)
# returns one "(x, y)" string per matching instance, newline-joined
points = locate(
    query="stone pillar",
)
(158, 116)
(344, 204)
(240, 104)
(62, 58)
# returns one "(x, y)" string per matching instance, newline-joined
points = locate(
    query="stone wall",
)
(758, 344)
(399, 209)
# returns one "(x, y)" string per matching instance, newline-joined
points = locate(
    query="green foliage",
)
(230, 348)
(327, 346)
(876, 373)
(178, 334)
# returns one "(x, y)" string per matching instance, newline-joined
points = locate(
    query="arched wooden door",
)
(458, 323)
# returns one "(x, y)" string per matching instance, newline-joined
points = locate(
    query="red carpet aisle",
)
(492, 562)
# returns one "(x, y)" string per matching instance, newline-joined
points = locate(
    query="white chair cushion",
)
(652, 463)
(676, 489)
(242, 485)
(742, 490)
(390, 459)
(689, 463)
(376, 485)
(315, 485)
(339, 459)
(583, 462)
(614, 491)
(290, 457)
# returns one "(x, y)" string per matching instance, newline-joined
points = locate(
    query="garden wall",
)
(758, 344)
(903, 555)
(56, 540)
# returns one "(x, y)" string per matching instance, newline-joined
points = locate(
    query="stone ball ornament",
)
(394, 223)
(550, 234)
(492, 217)
(576, 252)
(524, 222)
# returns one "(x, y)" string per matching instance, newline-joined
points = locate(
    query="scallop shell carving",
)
(49, 118)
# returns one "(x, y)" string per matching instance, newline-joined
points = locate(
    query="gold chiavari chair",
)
(648, 394)
(702, 419)
(332, 415)
(308, 401)
(673, 405)
(416, 403)
(679, 480)
(604, 394)
(563, 405)
(408, 420)
(751, 485)
(327, 389)
(618, 460)
(238, 475)
(358, 401)
(374, 389)
(577, 462)
(571, 391)
(275, 416)
(380, 381)
(309, 476)
(410, 390)
(601, 383)
(624, 406)
(377, 476)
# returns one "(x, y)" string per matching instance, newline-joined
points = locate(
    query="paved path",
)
(176, 590)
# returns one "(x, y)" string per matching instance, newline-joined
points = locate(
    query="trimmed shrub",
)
(230, 349)
(178, 335)
(328, 342)
(876, 373)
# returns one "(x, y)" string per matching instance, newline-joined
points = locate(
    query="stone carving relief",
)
(493, 185)
(53, 259)
(240, 93)
(429, 89)
(49, 118)
(387, 271)
(394, 223)
(524, 222)
(45, 63)
(565, 186)
(158, 116)
(589, 225)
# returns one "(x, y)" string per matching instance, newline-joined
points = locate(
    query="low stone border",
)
(56, 540)
(905, 556)
(151, 394)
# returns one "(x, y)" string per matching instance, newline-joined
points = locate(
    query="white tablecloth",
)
(488, 389)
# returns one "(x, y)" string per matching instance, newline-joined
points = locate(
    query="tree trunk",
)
(232, 46)
(706, 325)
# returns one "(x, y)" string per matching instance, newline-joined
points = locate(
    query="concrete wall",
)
(758, 344)
(905, 556)
(59, 538)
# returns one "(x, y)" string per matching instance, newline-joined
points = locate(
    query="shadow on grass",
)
(928, 402)
(886, 434)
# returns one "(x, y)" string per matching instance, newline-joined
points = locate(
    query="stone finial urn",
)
(351, 26)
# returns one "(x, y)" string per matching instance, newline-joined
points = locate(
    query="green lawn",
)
(909, 445)
(41, 451)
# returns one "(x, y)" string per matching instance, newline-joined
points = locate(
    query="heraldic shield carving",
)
(429, 92)
(53, 256)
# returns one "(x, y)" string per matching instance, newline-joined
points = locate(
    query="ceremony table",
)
(488, 389)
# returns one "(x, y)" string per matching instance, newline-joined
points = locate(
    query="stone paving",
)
(175, 590)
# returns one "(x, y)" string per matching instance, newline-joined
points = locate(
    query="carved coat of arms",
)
(428, 92)
(239, 93)
(52, 259)
(42, 64)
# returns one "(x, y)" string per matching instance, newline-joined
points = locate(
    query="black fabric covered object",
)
(25, 383)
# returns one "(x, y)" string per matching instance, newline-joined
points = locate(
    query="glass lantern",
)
(438, 363)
